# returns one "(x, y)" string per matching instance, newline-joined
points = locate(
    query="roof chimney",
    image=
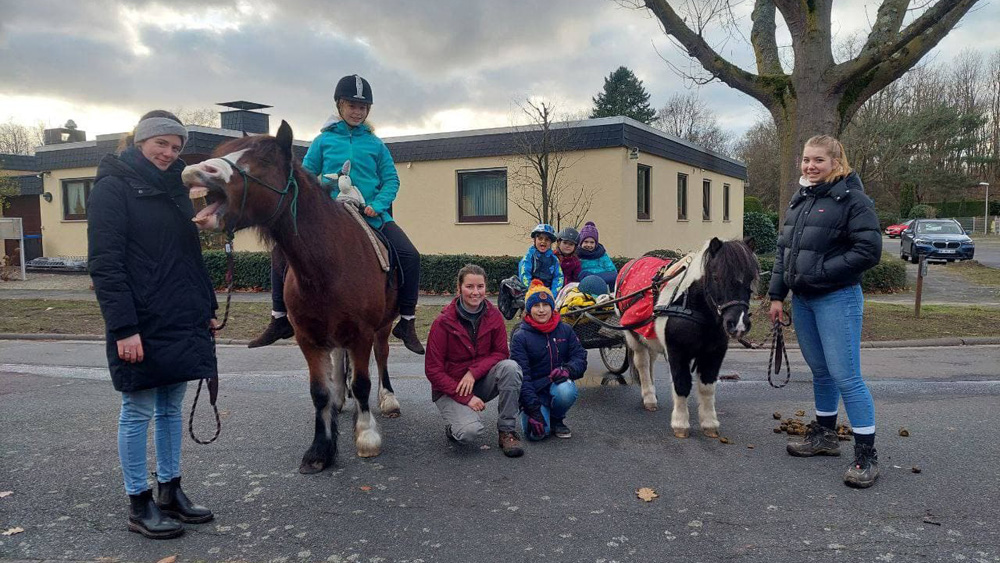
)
(66, 134)
(241, 118)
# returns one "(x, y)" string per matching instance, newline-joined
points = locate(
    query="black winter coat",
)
(146, 264)
(830, 237)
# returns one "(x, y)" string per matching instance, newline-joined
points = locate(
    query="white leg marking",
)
(680, 418)
(706, 410)
(367, 437)
(339, 379)
(643, 363)
(387, 402)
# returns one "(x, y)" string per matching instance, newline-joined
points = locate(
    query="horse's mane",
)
(733, 256)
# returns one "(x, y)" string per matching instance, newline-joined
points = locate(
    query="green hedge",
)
(886, 218)
(752, 204)
(437, 271)
(967, 208)
(888, 276)
(922, 211)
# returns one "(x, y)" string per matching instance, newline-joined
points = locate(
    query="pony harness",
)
(634, 276)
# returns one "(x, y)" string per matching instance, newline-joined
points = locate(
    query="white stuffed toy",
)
(348, 192)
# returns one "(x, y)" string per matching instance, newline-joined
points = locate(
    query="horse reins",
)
(778, 351)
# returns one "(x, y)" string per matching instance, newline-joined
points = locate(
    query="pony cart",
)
(590, 323)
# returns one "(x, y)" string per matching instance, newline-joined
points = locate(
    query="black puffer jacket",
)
(830, 237)
(146, 264)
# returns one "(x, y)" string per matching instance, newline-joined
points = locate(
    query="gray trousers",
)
(504, 381)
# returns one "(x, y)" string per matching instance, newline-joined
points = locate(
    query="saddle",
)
(388, 259)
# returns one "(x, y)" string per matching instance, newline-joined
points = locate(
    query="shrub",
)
(758, 226)
(922, 211)
(886, 218)
(888, 276)
(752, 204)
(766, 265)
(252, 270)
(773, 216)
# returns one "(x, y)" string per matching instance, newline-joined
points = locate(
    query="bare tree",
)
(687, 116)
(820, 95)
(542, 152)
(20, 139)
(206, 117)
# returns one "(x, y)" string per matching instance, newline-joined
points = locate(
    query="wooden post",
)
(921, 270)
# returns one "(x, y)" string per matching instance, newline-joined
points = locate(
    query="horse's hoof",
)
(683, 433)
(391, 414)
(310, 467)
(711, 432)
(369, 443)
(371, 453)
(651, 407)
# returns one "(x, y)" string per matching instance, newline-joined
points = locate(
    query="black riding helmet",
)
(569, 234)
(354, 88)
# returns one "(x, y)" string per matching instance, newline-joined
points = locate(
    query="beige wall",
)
(427, 208)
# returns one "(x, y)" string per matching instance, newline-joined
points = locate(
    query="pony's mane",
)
(733, 255)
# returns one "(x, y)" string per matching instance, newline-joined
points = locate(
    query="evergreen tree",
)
(625, 95)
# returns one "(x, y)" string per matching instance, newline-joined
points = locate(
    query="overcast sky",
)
(436, 65)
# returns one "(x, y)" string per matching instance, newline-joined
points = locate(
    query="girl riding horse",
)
(347, 137)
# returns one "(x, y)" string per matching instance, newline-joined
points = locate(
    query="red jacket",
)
(570, 266)
(450, 352)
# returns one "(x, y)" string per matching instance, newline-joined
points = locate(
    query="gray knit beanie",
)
(156, 126)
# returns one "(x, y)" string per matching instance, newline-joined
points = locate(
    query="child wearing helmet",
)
(347, 137)
(540, 262)
(594, 260)
(566, 242)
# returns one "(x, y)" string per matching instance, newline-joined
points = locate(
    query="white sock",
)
(407, 317)
(278, 314)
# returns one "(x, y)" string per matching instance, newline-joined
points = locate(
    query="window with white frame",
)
(643, 192)
(682, 197)
(725, 202)
(75, 194)
(706, 200)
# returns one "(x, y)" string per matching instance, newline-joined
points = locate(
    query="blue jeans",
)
(163, 405)
(563, 397)
(829, 333)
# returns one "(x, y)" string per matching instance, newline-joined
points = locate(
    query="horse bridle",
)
(291, 186)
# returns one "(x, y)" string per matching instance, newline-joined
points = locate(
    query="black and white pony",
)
(697, 312)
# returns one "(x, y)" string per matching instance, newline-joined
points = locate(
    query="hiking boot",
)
(864, 471)
(510, 443)
(174, 503)
(819, 440)
(406, 331)
(559, 429)
(278, 329)
(145, 518)
(447, 432)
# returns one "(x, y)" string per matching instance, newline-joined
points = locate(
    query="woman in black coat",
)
(158, 305)
(830, 237)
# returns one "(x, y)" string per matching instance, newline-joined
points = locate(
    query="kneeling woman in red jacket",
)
(467, 364)
(551, 359)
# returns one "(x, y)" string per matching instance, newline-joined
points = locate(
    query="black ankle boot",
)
(174, 503)
(145, 518)
(406, 331)
(278, 329)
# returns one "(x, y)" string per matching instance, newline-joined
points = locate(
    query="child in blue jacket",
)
(540, 262)
(594, 260)
(551, 359)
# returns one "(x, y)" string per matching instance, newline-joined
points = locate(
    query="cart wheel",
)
(616, 359)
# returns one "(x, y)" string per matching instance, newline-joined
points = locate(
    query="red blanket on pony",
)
(635, 275)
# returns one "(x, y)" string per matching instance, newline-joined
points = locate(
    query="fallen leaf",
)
(916, 469)
(749, 446)
(12, 531)
(904, 432)
(730, 377)
(169, 559)
(725, 440)
(366, 488)
(800, 413)
(6, 493)
(646, 494)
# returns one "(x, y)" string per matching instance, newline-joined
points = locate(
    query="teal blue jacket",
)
(372, 170)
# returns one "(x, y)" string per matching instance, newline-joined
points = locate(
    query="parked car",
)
(894, 231)
(936, 239)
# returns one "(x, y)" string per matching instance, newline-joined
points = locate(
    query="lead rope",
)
(778, 353)
(213, 383)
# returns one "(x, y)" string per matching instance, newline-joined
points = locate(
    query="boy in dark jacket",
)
(551, 359)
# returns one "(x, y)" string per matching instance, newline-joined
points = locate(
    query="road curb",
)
(918, 343)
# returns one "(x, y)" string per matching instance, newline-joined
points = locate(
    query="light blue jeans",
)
(828, 328)
(563, 397)
(163, 405)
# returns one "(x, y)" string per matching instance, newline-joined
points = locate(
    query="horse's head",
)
(731, 273)
(248, 181)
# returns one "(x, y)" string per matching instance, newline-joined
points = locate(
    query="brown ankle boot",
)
(406, 331)
(510, 443)
(278, 329)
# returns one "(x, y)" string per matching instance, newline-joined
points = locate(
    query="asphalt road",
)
(566, 500)
(987, 250)
(943, 285)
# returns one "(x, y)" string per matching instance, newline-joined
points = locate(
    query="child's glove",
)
(559, 375)
(536, 422)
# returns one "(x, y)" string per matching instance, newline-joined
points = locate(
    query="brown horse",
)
(337, 295)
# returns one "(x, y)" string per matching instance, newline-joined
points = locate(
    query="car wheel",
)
(902, 255)
(914, 259)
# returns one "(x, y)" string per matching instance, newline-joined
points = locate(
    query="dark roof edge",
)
(18, 162)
